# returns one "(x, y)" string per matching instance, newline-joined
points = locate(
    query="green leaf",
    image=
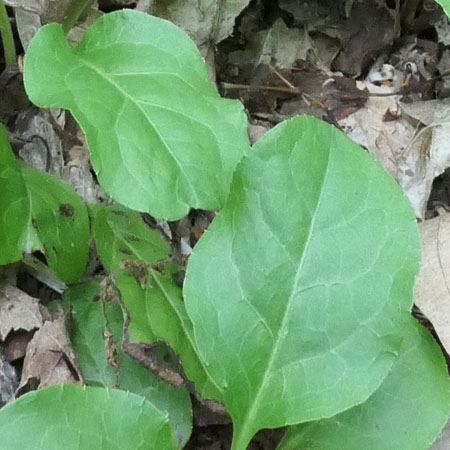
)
(14, 204)
(161, 138)
(407, 412)
(72, 418)
(39, 211)
(90, 321)
(120, 234)
(61, 222)
(297, 289)
(445, 6)
(158, 313)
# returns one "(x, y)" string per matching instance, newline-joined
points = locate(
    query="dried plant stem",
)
(287, 90)
(75, 11)
(7, 37)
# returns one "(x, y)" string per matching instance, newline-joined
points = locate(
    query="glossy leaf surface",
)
(91, 320)
(161, 139)
(407, 412)
(296, 290)
(120, 234)
(75, 418)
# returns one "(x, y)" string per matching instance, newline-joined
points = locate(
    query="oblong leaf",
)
(157, 313)
(407, 412)
(74, 418)
(61, 222)
(296, 291)
(14, 204)
(91, 320)
(161, 138)
(120, 234)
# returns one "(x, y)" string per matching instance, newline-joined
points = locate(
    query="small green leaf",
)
(158, 313)
(90, 321)
(61, 222)
(14, 205)
(445, 6)
(73, 418)
(296, 290)
(120, 234)
(407, 412)
(38, 211)
(161, 138)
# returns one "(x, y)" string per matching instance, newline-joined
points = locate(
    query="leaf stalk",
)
(7, 37)
(75, 11)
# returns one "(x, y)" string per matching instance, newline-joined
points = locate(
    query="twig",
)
(7, 37)
(286, 90)
(75, 11)
(284, 80)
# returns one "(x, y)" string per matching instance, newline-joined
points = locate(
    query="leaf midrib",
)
(280, 338)
(125, 94)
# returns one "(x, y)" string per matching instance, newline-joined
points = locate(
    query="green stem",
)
(7, 37)
(75, 11)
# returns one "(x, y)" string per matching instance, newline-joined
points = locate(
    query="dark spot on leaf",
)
(66, 210)
(96, 298)
(178, 277)
(34, 223)
(125, 251)
(132, 239)
(118, 213)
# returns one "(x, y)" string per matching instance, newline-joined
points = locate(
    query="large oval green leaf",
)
(297, 289)
(73, 418)
(407, 412)
(161, 138)
(91, 319)
(14, 204)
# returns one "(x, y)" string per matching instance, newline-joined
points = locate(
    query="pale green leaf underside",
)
(158, 313)
(407, 412)
(73, 418)
(120, 234)
(296, 290)
(89, 322)
(39, 211)
(161, 139)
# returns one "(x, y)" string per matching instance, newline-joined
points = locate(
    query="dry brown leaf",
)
(50, 358)
(432, 290)
(413, 157)
(203, 20)
(18, 311)
(32, 14)
(15, 345)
